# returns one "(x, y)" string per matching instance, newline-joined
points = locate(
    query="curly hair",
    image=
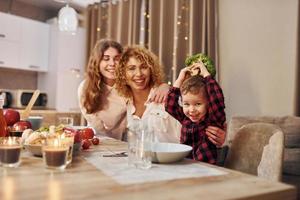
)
(194, 85)
(94, 84)
(144, 56)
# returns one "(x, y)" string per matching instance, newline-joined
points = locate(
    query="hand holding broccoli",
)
(205, 60)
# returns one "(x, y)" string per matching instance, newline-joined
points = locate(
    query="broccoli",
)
(209, 64)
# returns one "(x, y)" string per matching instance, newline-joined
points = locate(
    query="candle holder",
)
(67, 139)
(55, 153)
(10, 151)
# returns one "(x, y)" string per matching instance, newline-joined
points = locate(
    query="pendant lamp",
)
(67, 19)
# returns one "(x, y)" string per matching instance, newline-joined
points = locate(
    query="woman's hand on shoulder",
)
(160, 94)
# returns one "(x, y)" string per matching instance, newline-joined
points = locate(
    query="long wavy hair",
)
(144, 56)
(94, 81)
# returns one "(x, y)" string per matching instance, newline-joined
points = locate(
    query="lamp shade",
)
(67, 19)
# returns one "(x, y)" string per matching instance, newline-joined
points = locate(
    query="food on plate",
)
(39, 136)
(87, 133)
(11, 116)
(189, 61)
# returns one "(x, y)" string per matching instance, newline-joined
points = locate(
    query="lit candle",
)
(55, 155)
(10, 150)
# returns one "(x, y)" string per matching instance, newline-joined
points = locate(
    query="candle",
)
(55, 157)
(68, 140)
(10, 151)
(55, 154)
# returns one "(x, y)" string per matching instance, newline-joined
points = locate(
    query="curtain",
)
(172, 29)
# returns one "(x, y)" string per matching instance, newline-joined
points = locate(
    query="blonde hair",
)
(94, 84)
(144, 56)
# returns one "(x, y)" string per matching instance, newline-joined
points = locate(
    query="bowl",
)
(35, 149)
(169, 152)
(35, 121)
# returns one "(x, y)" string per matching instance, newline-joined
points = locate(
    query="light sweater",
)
(155, 119)
(111, 121)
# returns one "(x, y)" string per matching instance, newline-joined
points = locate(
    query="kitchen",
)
(234, 41)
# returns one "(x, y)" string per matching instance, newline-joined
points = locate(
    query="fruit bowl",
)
(169, 152)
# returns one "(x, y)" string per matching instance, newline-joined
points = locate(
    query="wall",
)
(258, 56)
(17, 79)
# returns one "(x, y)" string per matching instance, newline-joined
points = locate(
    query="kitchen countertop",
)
(82, 180)
(51, 117)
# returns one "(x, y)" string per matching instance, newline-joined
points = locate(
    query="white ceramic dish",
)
(35, 149)
(169, 152)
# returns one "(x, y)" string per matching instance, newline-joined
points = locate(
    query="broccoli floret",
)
(209, 64)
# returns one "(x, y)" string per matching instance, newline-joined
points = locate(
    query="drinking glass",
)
(67, 121)
(139, 148)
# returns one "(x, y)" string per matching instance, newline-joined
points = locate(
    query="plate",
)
(169, 152)
(34, 149)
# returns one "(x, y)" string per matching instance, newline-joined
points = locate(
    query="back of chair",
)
(257, 149)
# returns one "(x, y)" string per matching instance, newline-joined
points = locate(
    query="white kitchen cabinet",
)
(24, 43)
(35, 45)
(10, 27)
(67, 60)
(9, 53)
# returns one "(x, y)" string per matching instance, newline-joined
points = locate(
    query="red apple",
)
(86, 144)
(95, 141)
(87, 133)
(11, 116)
(21, 125)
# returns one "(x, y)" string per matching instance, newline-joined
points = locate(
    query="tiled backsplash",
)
(17, 79)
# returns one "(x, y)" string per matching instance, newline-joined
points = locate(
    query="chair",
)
(257, 149)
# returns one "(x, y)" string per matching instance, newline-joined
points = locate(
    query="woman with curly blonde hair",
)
(137, 77)
(101, 105)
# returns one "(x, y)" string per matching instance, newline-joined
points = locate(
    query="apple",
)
(87, 133)
(21, 125)
(86, 144)
(11, 116)
(77, 137)
(95, 141)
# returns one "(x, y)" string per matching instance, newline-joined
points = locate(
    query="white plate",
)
(34, 149)
(169, 152)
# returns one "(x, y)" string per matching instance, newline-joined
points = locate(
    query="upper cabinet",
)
(24, 43)
(35, 45)
(10, 27)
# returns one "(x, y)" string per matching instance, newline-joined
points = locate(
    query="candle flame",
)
(56, 142)
(10, 141)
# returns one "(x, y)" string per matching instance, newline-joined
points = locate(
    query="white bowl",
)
(169, 152)
(35, 149)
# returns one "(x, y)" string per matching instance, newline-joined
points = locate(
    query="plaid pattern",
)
(193, 134)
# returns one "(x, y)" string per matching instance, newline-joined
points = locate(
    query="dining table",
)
(100, 173)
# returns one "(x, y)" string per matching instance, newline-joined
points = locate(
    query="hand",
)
(204, 73)
(216, 135)
(160, 94)
(181, 77)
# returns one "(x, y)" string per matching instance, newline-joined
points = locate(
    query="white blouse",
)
(155, 119)
(111, 120)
